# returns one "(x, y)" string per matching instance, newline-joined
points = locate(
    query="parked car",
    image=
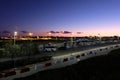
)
(50, 48)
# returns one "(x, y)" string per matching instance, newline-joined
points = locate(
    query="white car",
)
(50, 48)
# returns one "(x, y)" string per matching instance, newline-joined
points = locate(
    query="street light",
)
(49, 34)
(99, 38)
(30, 34)
(30, 45)
(72, 37)
(15, 34)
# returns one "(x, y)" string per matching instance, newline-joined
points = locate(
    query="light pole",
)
(30, 45)
(30, 34)
(49, 34)
(99, 38)
(15, 34)
(71, 40)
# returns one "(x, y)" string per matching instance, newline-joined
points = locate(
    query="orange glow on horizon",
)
(78, 35)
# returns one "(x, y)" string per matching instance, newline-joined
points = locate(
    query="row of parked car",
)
(48, 47)
(52, 47)
(66, 45)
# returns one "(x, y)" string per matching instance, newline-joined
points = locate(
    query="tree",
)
(13, 51)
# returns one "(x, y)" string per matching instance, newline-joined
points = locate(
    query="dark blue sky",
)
(88, 16)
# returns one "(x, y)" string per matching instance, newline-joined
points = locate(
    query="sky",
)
(91, 17)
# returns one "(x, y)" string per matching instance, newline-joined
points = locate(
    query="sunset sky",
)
(91, 17)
